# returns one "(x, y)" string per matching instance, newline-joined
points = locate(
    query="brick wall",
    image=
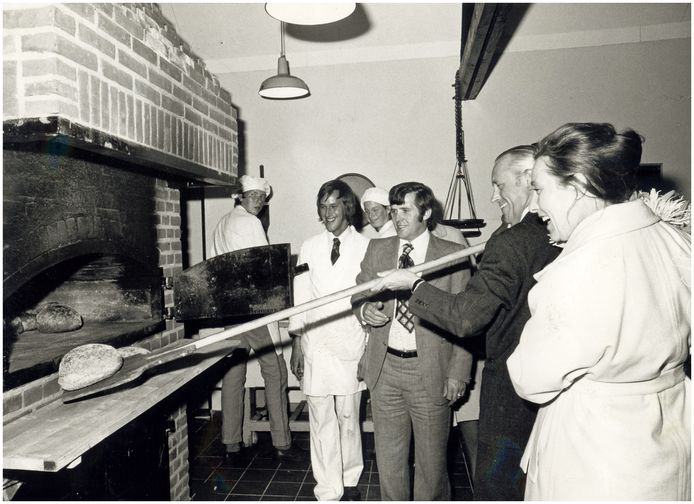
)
(178, 457)
(120, 69)
(38, 393)
(26, 398)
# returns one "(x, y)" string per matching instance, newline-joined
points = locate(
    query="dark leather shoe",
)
(351, 494)
(235, 458)
(291, 454)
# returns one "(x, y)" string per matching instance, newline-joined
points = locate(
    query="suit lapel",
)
(389, 261)
(390, 255)
(432, 249)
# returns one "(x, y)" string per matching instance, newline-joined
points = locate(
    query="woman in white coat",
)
(603, 352)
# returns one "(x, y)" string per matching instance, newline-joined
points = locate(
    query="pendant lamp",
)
(283, 86)
(309, 13)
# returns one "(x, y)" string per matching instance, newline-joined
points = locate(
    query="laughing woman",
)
(603, 352)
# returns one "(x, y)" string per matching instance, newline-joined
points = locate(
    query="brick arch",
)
(66, 206)
(148, 259)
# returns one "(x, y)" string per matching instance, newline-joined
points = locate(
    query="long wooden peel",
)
(133, 367)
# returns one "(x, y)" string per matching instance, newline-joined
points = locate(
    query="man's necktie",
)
(335, 252)
(403, 314)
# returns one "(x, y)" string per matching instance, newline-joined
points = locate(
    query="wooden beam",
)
(486, 28)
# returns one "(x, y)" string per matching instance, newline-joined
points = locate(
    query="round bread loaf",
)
(128, 351)
(88, 364)
(57, 318)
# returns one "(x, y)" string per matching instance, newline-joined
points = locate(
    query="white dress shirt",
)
(400, 338)
(332, 339)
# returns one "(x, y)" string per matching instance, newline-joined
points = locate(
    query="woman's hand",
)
(397, 279)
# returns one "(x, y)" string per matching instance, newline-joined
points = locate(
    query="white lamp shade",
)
(283, 86)
(309, 13)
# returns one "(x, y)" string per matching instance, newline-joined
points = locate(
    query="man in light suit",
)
(412, 369)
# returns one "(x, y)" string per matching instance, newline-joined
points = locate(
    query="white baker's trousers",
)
(335, 434)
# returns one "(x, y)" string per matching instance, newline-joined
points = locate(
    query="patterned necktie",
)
(335, 252)
(403, 314)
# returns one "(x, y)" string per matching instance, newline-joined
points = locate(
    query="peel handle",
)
(427, 267)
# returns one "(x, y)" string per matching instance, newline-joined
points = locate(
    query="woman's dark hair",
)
(345, 194)
(423, 199)
(608, 160)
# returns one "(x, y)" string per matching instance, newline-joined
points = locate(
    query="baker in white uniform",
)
(376, 207)
(237, 230)
(328, 343)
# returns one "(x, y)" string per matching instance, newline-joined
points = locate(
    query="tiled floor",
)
(259, 477)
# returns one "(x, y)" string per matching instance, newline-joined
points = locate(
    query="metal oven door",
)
(254, 281)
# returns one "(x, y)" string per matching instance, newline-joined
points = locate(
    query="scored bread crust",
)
(88, 364)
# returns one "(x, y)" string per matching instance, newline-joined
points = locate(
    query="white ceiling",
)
(239, 37)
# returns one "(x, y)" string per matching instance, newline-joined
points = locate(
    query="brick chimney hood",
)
(108, 119)
(117, 80)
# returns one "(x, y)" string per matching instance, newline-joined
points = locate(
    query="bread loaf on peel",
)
(88, 364)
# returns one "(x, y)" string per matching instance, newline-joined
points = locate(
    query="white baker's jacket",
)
(332, 340)
(603, 354)
(388, 229)
(239, 230)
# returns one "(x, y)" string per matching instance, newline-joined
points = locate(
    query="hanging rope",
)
(460, 173)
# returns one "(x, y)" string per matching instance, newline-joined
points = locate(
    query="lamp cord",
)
(281, 38)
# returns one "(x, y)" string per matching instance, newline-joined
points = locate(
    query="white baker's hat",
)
(375, 194)
(250, 183)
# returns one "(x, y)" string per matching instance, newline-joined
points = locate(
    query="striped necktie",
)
(403, 313)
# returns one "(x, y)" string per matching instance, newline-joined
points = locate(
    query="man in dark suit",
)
(412, 369)
(495, 301)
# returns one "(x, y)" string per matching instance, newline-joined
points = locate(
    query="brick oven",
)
(109, 119)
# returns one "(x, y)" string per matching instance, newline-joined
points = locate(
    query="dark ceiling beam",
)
(485, 29)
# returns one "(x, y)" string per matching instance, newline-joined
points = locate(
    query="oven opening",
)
(94, 298)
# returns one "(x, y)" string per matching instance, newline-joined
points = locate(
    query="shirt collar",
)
(345, 234)
(239, 210)
(421, 243)
(388, 226)
(525, 212)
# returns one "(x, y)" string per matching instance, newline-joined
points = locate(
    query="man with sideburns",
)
(413, 371)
